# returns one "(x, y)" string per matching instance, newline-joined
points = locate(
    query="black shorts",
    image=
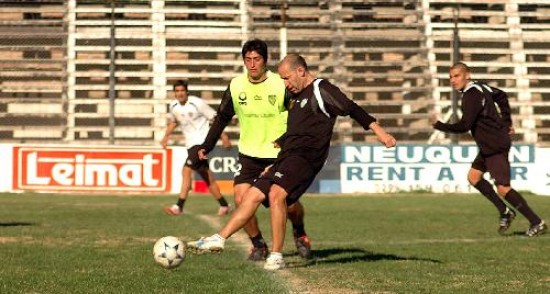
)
(193, 160)
(497, 165)
(251, 168)
(293, 173)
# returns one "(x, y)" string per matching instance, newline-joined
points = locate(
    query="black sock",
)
(180, 203)
(298, 230)
(222, 201)
(258, 241)
(487, 190)
(514, 198)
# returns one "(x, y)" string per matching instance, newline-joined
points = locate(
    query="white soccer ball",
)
(169, 252)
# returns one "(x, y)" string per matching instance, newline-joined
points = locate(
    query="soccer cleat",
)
(173, 210)
(303, 245)
(537, 229)
(258, 253)
(212, 244)
(506, 220)
(273, 263)
(224, 210)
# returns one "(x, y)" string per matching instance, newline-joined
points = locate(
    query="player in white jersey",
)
(194, 116)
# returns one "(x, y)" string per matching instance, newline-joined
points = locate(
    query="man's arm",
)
(339, 104)
(471, 107)
(224, 115)
(169, 129)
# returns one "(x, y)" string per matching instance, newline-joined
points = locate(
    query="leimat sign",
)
(91, 169)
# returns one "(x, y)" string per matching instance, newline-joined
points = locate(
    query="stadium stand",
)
(100, 72)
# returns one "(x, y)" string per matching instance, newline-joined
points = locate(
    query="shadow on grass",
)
(16, 224)
(348, 255)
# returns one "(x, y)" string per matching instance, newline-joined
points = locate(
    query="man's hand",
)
(382, 136)
(265, 170)
(202, 154)
(511, 131)
(388, 140)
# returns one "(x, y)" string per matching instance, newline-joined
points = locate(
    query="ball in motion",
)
(169, 252)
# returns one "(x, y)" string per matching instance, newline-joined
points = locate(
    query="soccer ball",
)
(169, 252)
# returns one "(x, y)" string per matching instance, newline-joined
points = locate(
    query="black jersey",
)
(486, 114)
(310, 122)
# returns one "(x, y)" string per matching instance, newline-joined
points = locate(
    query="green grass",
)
(406, 243)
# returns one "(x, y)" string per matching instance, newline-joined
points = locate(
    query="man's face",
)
(255, 65)
(293, 78)
(181, 94)
(459, 78)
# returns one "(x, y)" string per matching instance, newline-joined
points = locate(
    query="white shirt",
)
(194, 119)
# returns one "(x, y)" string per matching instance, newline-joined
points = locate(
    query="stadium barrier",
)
(351, 168)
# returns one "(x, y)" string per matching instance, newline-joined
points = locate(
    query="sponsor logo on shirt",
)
(242, 98)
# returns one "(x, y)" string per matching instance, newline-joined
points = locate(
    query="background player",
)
(491, 128)
(193, 115)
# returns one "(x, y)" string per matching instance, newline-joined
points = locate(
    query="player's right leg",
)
(208, 177)
(259, 250)
(475, 177)
(177, 208)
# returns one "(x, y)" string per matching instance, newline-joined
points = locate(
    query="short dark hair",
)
(255, 45)
(462, 66)
(180, 83)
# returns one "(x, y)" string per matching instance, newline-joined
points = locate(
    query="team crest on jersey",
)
(303, 102)
(272, 99)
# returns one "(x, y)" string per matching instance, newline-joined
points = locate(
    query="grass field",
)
(399, 243)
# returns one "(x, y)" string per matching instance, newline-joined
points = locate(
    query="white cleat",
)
(273, 263)
(212, 244)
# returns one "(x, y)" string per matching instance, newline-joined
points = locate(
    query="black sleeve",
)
(338, 104)
(224, 115)
(471, 107)
(501, 99)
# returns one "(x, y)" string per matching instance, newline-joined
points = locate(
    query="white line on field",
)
(298, 285)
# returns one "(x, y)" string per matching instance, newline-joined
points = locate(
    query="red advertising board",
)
(89, 169)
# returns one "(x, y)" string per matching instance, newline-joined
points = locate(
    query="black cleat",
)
(506, 220)
(258, 253)
(303, 245)
(536, 230)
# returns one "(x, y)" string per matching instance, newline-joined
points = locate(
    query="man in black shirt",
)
(491, 128)
(304, 149)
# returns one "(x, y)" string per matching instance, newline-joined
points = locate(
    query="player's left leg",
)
(242, 214)
(499, 168)
(296, 216)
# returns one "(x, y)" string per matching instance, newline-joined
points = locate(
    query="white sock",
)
(276, 255)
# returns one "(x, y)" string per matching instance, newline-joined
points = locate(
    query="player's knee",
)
(503, 190)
